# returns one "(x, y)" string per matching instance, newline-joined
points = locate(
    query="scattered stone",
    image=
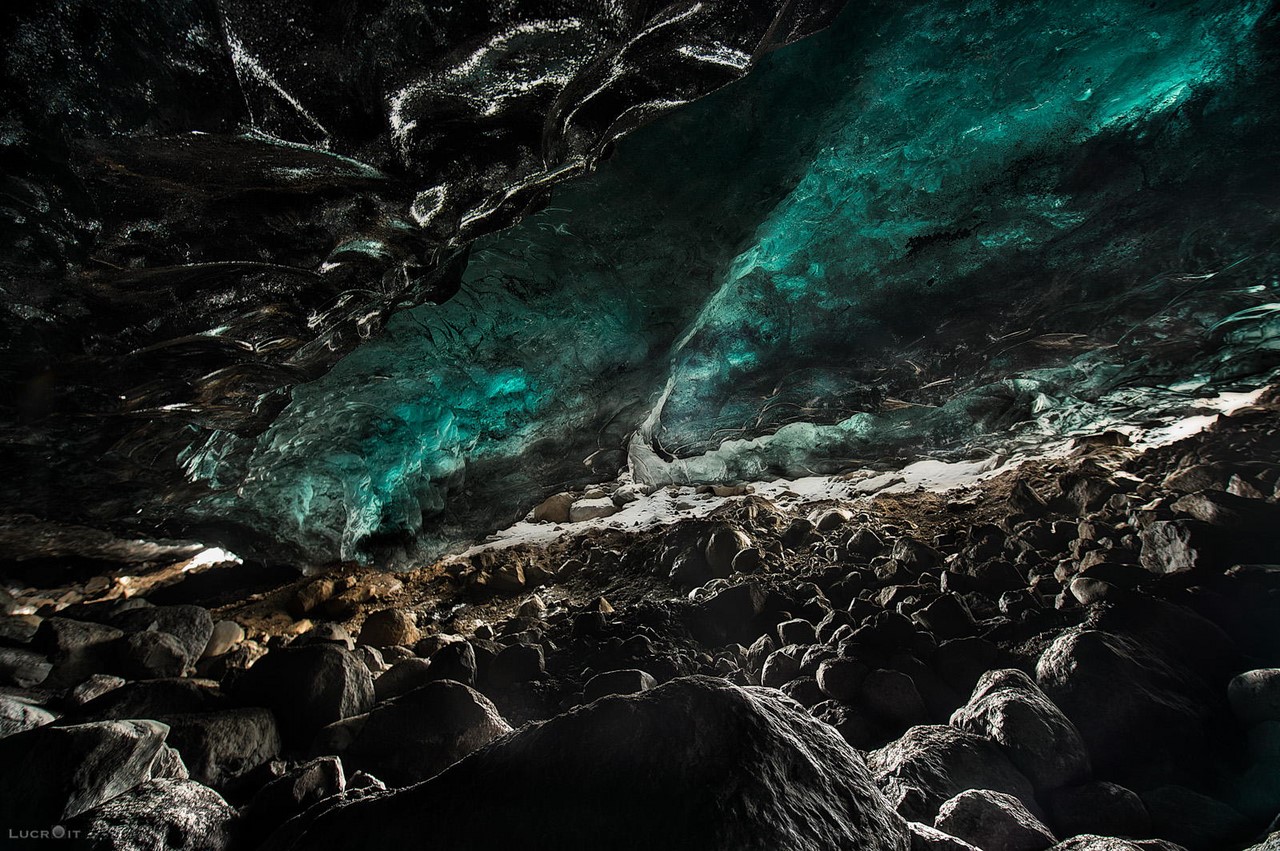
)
(455, 661)
(389, 628)
(1192, 819)
(326, 633)
(553, 509)
(225, 636)
(796, 631)
(841, 678)
(931, 764)
(592, 509)
(92, 688)
(404, 676)
(728, 615)
(151, 655)
(154, 699)
(23, 668)
(1255, 695)
(292, 793)
(1008, 708)
(723, 547)
(17, 715)
(419, 734)
(159, 815)
(516, 664)
(831, 519)
(991, 819)
(892, 697)
(1098, 807)
(1180, 546)
(219, 748)
(927, 838)
(731, 781)
(192, 626)
(626, 681)
(307, 688)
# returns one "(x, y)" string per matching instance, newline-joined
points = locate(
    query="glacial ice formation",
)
(923, 231)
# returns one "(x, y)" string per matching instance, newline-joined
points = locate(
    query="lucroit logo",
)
(55, 832)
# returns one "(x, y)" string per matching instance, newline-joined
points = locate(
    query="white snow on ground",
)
(669, 504)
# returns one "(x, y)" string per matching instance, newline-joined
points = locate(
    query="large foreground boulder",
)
(159, 815)
(50, 774)
(695, 763)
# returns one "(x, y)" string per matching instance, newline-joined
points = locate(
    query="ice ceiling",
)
(927, 229)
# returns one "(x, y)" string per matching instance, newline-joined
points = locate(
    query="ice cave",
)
(612, 424)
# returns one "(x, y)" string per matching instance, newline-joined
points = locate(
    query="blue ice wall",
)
(889, 240)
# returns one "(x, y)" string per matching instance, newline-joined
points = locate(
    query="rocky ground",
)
(1078, 654)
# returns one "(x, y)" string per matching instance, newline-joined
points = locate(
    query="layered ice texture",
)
(925, 232)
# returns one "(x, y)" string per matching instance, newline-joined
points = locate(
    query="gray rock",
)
(52, 773)
(77, 650)
(93, 688)
(154, 699)
(626, 681)
(419, 734)
(993, 820)
(191, 625)
(151, 655)
(389, 628)
(931, 764)
(1192, 819)
(455, 661)
(842, 678)
(23, 668)
(755, 773)
(219, 748)
(892, 698)
(225, 636)
(516, 664)
(1097, 807)
(1255, 695)
(782, 666)
(1008, 708)
(159, 815)
(17, 715)
(402, 677)
(927, 838)
(1093, 842)
(326, 633)
(796, 631)
(722, 547)
(307, 688)
(292, 793)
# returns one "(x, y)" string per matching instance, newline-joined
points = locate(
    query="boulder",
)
(219, 748)
(1097, 807)
(225, 636)
(1125, 698)
(23, 668)
(402, 677)
(518, 663)
(841, 678)
(728, 615)
(1182, 546)
(892, 698)
(390, 628)
(993, 820)
(553, 509)
(626, 681)
(150, 655)
(18, 715)
(1192, 819)
(931, 764)
(307, 688)
(291, 793)
(592, 509)
(926, 838)
(455, 661)
(1008, 708)
(419, 734)
(796, 631)
(76, 649)
(92, 688)
(722, 547)
(1093, 842)
(192, 626)
(159, 815)
(1255, 695)
(51, 774)
(754, 773)
(154, 699)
